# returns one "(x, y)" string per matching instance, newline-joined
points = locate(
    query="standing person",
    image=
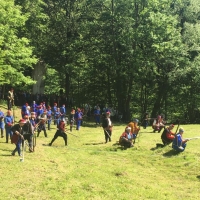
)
(17, 136)
(27, 132)
(167, 135)
(9, 122)
(71, 119)
(63, 112)
(179, 144)
(49, 117)
(107, 127)
(42, 126)
(1, 123)
(54, 112)
(97, 114)
(78, 118)
(10, 99)
(145, 120)
(60, 132)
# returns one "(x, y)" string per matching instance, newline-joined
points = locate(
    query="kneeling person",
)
(167, 135)
(126, 139)
(60, 132)
(179, 144)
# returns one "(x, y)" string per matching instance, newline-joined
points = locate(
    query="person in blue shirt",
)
(1, 123)
(9, 121)
(78, 118)
(63, 112)
(179, 144)
(97, 114)
(49, 117)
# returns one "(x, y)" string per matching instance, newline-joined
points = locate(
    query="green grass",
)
(90, 169)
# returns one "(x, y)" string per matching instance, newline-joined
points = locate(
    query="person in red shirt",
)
(60, 132)
(126, 139)
(168, 136)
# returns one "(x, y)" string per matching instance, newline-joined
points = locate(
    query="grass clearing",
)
(90, 169)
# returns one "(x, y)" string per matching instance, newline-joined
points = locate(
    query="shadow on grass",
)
(198, 176)
(94, 143)
(171, 153)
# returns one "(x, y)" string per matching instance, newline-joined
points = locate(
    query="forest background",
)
(136, 55)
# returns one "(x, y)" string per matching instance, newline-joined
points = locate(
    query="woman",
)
(126, 139)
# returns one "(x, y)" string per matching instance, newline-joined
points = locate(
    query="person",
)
(71, 119)
(17, 136)
(167, 135)
(179, 144)
(49, 117)
(27, 132)
(9, 122)
(126, 139)
(10, 99)
(97, 113)
(78, 118)
(134, 127)
(24, 110)
(1, 123)
(158, 124)
(107, 127)
(60, 132)
(42, 126)
(145, 120)
(62, 112)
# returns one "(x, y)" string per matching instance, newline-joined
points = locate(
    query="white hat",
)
(128, 128)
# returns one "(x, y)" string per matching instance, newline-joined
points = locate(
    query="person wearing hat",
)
(1, 123)
(126, 139)
(167, 135)
(17, 136)
(54, 112)
(107, 127)
(60, 132)
(9, 121)
(179, 144)
(134, 127)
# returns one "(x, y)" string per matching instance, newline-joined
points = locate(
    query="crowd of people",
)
(39, 117)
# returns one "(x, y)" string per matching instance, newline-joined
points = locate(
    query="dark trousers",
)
(125, 143)
(108, 134)
(29, 138)
(61, 134)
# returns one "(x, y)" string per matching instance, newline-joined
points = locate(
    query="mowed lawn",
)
(90, 169)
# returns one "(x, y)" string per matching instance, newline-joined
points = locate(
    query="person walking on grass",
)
(9, 121)
(60, 132)
(17, 136)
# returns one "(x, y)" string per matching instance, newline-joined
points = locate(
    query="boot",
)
(45, 133)
(14, 151)
(6, 138)
(38, 134)
(2, 133)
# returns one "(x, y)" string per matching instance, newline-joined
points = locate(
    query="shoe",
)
(50, 144)
(13, 153)
(30, 150)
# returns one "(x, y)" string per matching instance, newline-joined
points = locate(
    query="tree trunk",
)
(38, 73)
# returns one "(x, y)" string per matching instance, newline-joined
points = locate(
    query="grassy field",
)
(90, 169)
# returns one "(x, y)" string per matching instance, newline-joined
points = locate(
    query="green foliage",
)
(16, 53)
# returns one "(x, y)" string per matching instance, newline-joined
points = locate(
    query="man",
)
(17, 136)
(27, 132)
(60, 132)
(158, 124)
(1, 123)
(97, 114)
(179, 144)
(49, 117)
(167, 135)
(10, 99)
(42, 125)
(63, 112)
(9, 122)
(78, 118)
(107, 127)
